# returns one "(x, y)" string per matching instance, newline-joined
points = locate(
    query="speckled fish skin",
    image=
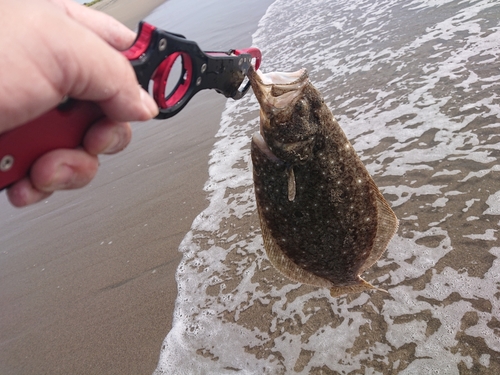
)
(323, 219)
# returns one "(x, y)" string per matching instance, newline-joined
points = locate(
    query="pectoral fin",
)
(291, 184)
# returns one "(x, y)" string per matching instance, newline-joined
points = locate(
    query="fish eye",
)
(301, 107)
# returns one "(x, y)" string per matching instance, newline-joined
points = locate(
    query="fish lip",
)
(296, 78)
(276, 90)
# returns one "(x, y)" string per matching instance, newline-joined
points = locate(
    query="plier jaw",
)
(155, 51)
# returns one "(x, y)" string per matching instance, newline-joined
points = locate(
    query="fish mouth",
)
(276, 90)
(277, 93)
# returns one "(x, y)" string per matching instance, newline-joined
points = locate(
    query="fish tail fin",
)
(360, 286)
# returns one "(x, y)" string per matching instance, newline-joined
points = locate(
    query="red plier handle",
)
(152, 56)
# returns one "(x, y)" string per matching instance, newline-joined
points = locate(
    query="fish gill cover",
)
(416, 87)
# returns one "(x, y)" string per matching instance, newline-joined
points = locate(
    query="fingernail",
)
(118, 143)
(114, 145)
(149, 103)
(63, 178)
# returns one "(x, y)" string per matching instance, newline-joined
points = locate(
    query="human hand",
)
(58, 48)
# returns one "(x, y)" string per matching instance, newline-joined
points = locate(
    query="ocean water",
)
(416, 87)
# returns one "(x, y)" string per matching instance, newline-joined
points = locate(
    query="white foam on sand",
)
(414, 86)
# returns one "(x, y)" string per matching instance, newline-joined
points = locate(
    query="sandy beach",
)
(88, 276)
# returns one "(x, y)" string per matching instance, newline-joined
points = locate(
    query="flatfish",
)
(323, 219)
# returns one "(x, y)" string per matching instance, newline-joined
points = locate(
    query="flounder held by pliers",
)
(323, 219)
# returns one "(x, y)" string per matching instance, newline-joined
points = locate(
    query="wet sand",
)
(88, 277)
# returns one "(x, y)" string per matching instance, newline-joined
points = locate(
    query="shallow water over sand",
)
(415, 87)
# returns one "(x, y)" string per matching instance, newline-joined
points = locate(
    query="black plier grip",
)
(155, 51)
